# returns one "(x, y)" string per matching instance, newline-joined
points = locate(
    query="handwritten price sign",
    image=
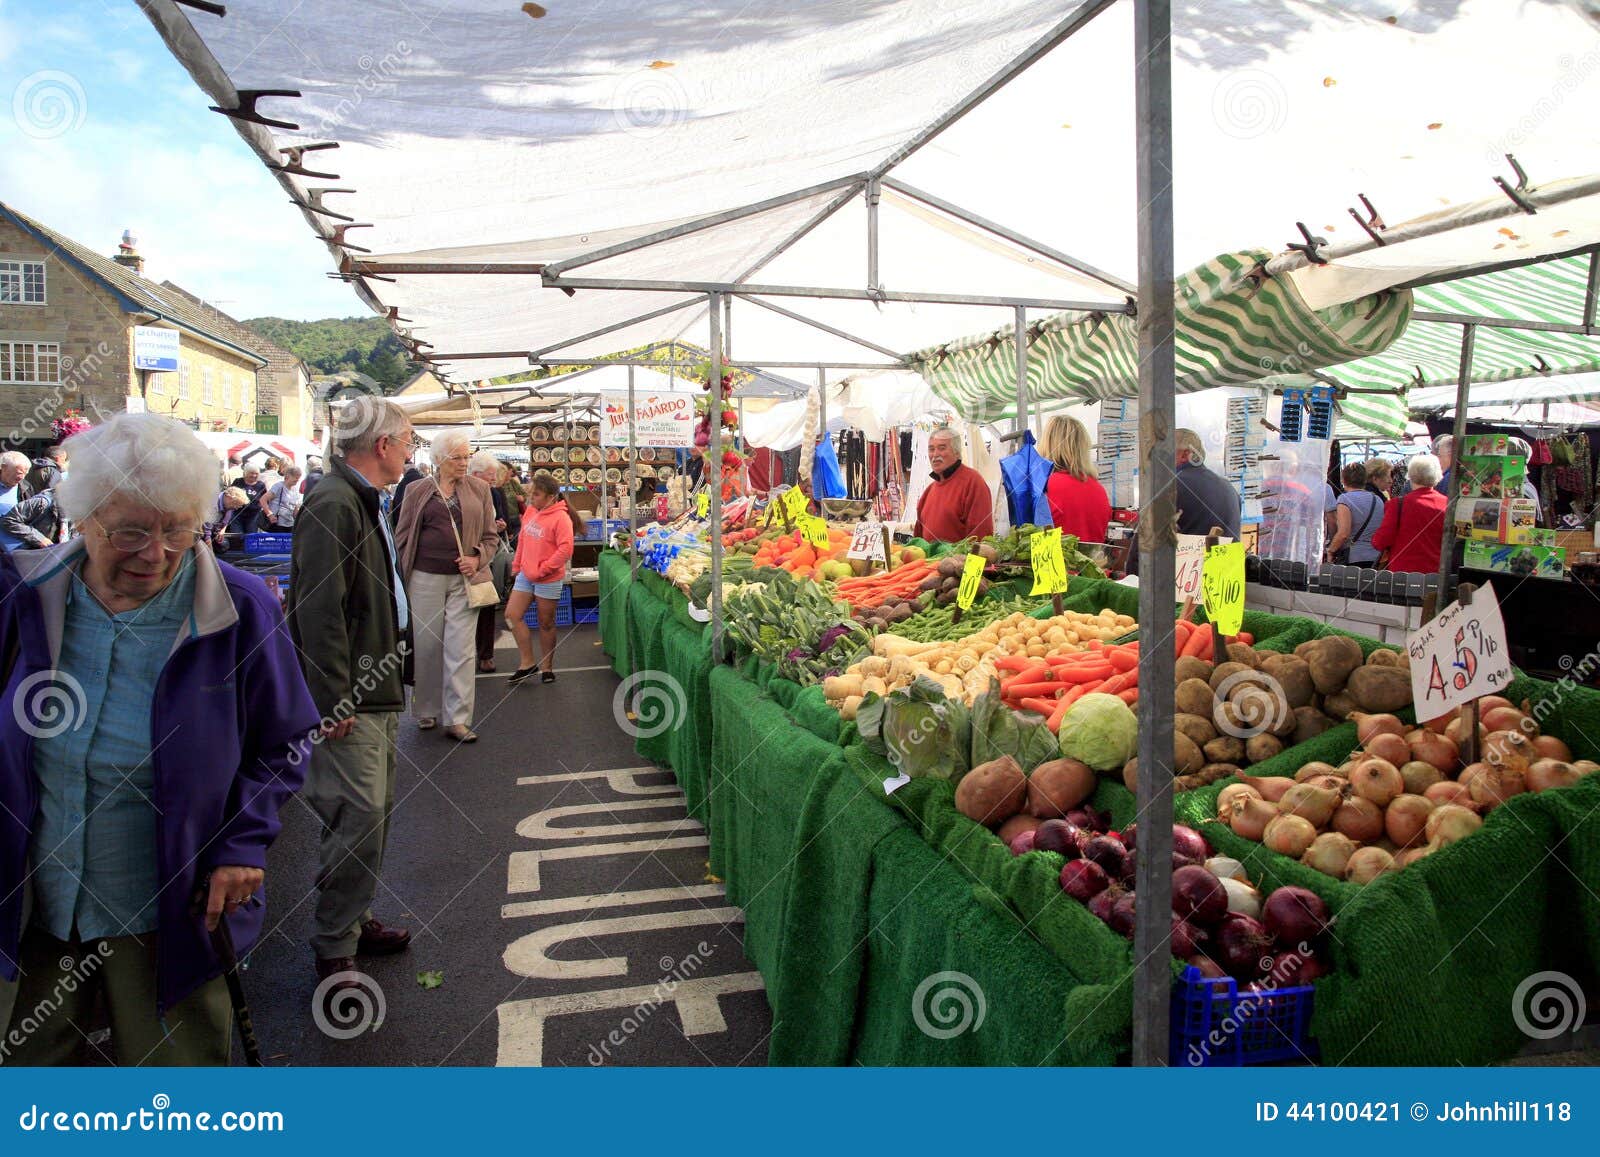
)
(702, 504)
(1049, 565)
(1222, 584)
(971, 576)
(1458, 656)
(1191, 560)
(816, 530)
(794, 503)
(867, 542)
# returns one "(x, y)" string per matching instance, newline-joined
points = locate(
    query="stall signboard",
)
(664, 419)
(155, 349)
(1222, 580)
(1459, 655)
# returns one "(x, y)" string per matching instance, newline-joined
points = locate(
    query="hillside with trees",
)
(362, 344)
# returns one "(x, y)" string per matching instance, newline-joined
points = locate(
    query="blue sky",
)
(101, 130)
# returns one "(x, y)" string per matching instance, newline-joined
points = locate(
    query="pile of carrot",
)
(1199, 639)
(873, 590)
(1051, 685)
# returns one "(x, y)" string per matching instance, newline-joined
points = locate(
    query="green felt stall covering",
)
(615, 580)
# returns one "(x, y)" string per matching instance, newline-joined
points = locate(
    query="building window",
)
(185, 389)
(30, 363)
(208, 387)
(227, 391)
(156, 386)
(21, 282)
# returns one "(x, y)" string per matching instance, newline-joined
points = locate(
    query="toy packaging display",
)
(1510, 558)
(1484, 477)
(1495, 519)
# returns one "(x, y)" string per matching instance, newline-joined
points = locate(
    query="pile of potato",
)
(1248, 709)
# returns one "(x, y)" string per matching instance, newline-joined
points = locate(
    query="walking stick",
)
(222, 945)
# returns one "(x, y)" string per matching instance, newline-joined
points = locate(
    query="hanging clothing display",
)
(1026, 474)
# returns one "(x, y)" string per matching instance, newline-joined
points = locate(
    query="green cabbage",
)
(1100, 730)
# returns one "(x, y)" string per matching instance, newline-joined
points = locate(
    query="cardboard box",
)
(1488, 445)
(1479, 477)
(1527, 561)
(1492, 520)
(585, 590)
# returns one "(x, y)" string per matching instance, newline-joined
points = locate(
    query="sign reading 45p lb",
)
(1049, 565)
(1458, 656)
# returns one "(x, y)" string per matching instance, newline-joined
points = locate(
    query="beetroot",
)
(1186, 938)
(1198, 895)
(1101, 904)
(1108, 852)
(1022, 843)
(1295, 915)
(1057, 836)
(1083, 880)
(1123, 914)
(1241, 945)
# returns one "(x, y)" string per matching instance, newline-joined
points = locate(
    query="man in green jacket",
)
(347, 612)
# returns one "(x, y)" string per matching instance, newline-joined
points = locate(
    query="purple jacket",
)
(233, 697)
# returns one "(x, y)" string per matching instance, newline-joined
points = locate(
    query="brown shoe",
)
(378, 940)
(332, 966)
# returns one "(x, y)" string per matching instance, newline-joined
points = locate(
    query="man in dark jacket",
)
(36, 521)
(347, 611)
(47, 469)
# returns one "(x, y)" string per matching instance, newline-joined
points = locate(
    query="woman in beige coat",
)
(445, 539)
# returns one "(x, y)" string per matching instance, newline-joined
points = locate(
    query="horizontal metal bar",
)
(700, 224)
(654, 286)
(379, 265)
(738, 365)
(788, 242)
(1010, 235)
(838, 333)
(1497, 267)
(618, 325)
(1506, 323)
(486, 355)
(999, 80)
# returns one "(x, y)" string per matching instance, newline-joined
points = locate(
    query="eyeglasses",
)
(459, 458)
(131, 540)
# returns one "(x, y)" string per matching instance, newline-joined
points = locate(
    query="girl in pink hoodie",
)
(544, 547)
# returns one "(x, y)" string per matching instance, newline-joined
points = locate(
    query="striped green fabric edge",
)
(1233, 328)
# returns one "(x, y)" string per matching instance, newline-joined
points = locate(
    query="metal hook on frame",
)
(1516, 192)
(1373, 220)
(247, 107)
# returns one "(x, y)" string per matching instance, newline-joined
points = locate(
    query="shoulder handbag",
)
(1341, 557)
(1399, 505)
(479, 595)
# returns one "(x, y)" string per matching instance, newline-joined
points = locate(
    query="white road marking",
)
(522, 1021)
(527, 955)
(522, 868)
(539, 826)
(611, 900)
(619, 779)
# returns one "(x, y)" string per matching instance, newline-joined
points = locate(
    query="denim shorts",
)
(538, 590)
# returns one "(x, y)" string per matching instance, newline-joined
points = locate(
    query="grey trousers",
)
(445, 630)
(350, 785)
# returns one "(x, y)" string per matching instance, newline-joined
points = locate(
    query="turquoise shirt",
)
(94, 847)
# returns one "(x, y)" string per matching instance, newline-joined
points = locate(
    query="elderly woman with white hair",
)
(1411, 537)
(447, 542)
(157, 724)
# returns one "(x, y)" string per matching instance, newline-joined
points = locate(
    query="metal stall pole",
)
(1020, 340)
(633, 491)
(712, 475)
(1152, 983)
(1447, 541)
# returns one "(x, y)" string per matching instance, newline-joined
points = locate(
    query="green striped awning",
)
(1233, 328)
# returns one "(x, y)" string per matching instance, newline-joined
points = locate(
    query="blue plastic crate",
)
(261, 543)
(589, 612)
(563, 611)
(1214, 1025)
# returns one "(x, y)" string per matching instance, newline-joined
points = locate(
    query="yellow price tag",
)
(1049, 565)
(816, 530)
(1222, 579)
(971, 576)
(794, 503)
(702, 504)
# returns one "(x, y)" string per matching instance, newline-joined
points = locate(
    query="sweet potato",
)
(1016, 825)
(992, 792)
(1058, 786)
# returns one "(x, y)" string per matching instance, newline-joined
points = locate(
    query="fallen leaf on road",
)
(431, 979)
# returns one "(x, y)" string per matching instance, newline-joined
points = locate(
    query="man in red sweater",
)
(958, 505)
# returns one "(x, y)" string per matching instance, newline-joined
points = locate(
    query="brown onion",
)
(1502, 719)
(1389, 747)
(1549, 747)
(1250, 816)
(1585, 766)
(1439, 722)
(1234, 791)
(1369, 726)
(1490, 702)
(1458, 731)
(1367, 864)
(1329, 854)
(1271, 787)
(1544, 774)
(1360, 819)
(1378, 780)
(1313, 769)
(1449, 823)
(1411, 855)
(1314, 803)
(1507, 749)
(1439, 750)
(1492, 786)
(1289, 835)
(1334, 783)
(1405, 817)
(1449, 791)
(1419, 776)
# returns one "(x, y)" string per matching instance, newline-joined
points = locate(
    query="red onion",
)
(1188, 842)
(1129, 836)
(1186, 938)
(1022, 843)
(1241, 945)
(1057, 836)
(1122, 914)
(1100, 904)
(1108, 852)
(1088, 819)
(1295, 915)
(1198, 895)
(1083, 880)
(1209, 968)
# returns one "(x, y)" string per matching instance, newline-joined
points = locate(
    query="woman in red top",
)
(1413, 524)
(1078, 503)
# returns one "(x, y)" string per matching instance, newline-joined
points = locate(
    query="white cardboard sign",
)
(867, 541)
(1459, 655)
